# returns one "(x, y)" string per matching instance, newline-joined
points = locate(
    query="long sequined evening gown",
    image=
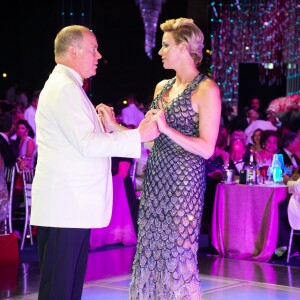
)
(165, 265)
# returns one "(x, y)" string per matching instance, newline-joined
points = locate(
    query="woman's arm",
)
(208, 103)
(30, 148)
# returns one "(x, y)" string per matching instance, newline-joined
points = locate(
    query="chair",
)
(294, 216)
(27, 181)
(10, 173)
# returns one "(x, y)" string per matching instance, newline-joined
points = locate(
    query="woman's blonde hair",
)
(185, 30)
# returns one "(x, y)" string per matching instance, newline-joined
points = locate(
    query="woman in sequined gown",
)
(187, 111)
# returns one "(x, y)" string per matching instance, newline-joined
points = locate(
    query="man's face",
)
(237, 151)
(252, 115)
(87, 56)
(255, 104)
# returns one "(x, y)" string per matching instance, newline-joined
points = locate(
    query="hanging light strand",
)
(150, 10)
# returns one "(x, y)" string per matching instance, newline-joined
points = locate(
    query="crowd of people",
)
(17, 144)
(262, 134)
(247, 133)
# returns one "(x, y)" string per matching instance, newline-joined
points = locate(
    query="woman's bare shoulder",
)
(207, 91)
(208, 85)
(160, 86)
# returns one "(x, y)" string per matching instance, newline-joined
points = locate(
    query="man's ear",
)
(73, 51)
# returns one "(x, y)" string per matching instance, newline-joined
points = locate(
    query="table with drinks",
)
(245, 220)
(245, 213)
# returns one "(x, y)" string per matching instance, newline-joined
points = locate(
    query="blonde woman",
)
(187, 109)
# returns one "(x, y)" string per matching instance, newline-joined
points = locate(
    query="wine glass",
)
(263, 172)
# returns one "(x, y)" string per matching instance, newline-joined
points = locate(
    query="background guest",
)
(131, 114)
(255, 145)
(252, 115)
(29, 113)
(290, 145)
(237, 150)
(256, 105)
(26, 143)
(270, 144)
(259, 124)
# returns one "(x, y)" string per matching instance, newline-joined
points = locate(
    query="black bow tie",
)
(239, 162)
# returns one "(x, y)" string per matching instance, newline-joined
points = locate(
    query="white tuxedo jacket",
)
(72, 187)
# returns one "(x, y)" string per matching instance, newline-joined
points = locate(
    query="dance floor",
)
(109, 268)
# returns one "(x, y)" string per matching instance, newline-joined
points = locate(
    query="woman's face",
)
(22, 130)
(169, 51)
(256, 136)
(271, 144)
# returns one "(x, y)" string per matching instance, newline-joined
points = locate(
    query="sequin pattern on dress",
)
(165, 265)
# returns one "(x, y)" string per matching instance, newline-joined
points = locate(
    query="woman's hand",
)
(158, 115)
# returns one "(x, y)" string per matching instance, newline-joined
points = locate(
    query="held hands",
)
(159, 117)
(107, 117)
(148, 128)
(155, 119)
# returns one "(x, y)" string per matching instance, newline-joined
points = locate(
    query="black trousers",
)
(63, 254)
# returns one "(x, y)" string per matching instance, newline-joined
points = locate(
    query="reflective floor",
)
(108, 277)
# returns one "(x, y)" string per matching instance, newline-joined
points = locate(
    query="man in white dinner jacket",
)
(72, 188)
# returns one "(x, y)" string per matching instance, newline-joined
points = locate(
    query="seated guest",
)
(258, 124)
(255, 144)
(270, 144)
(290, 145)
(236, 134)
(6, 149)
(26, 143)
(25, 150)
(237, 151)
